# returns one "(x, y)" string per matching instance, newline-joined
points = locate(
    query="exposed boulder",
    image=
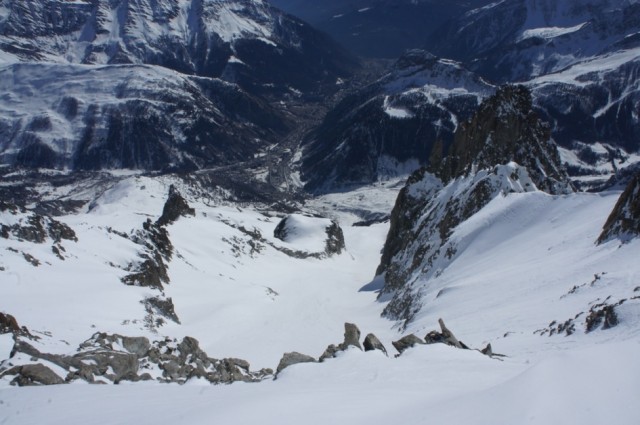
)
(371, 342)
(351, 336)
(175, 207)
(624, 220)
(33, 374)
(289, 359)
(444, 337)
(406, 342)
(321, 236)
(8, 324)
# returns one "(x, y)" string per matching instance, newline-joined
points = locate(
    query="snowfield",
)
(517, 263)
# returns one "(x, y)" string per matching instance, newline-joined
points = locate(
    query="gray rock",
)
(136, 345)
(33, 374)
(371, 342)
(330, 352)
(406, 342)
(292, 358)
(351, 336)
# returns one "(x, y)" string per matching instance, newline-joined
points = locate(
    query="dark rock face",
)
(506, 128)
(387, 29)
(134, 116)
(390, 127)
(35, 227)
(503, 148)
(335, 240)
(624, 220)
(266, 53)
(175, 207)
(289, 359)
(151, 271)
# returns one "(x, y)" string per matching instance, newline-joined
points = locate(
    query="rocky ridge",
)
(504, 148)
(624, 220)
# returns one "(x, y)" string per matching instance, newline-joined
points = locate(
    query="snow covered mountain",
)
(389, 128)
(244, 41)
(579, 59)
(142, 117)
(173, 249)
(154, 85)
(579, 56)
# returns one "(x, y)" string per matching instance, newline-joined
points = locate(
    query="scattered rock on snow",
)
(289, 359)
(351, 336)
(406, 342)
(371, 342)
(33, 374)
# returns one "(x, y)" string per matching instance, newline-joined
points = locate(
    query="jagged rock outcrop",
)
(175, 207)
(151, 270)
(351, 339)
(34, 227)
(624, 220)
(371, 343)
(112, 358)
(503, 148)
(334, 244)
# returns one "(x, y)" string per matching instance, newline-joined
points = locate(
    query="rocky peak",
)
(175, 207)
(504, 148)
(506, 128)
(624, 220)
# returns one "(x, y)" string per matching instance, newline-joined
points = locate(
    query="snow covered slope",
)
(529, 259)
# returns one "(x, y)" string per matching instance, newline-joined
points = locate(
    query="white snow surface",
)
(522, 254)
(549, 32)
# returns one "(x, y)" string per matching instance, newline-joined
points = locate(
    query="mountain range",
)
(203, 192)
